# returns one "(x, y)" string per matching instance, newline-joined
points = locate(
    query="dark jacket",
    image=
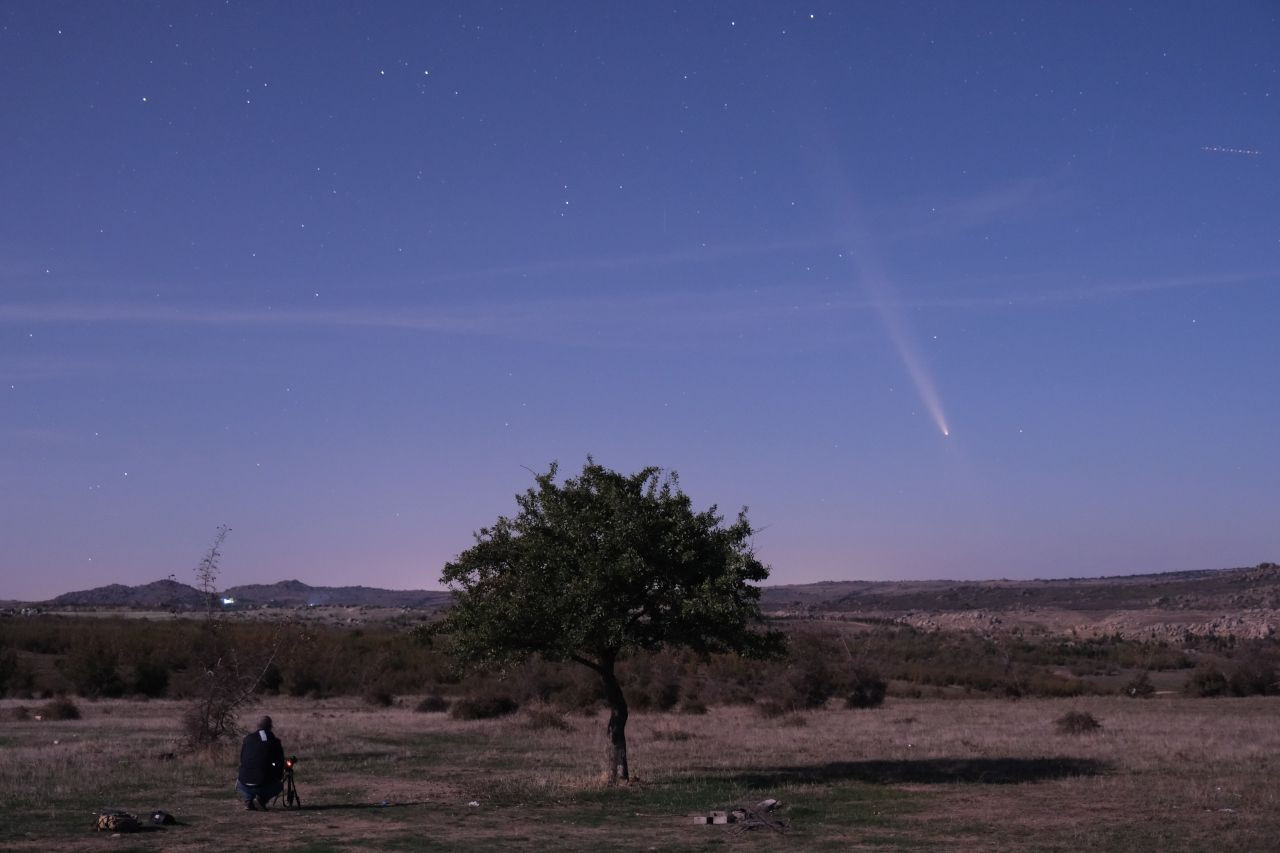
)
(261, 758)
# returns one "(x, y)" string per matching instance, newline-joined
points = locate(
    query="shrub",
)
(866, 690)
(809, 681)
(1252, 675)
(770, 709)
(93, 671)
(61, 708)
(1140, 687)
(302, 682)
(541, 719)
(8, 668)
(379, 698)
(693, 705)
(1206, 680)
(272, 679)
(1077, 723)
(433, 704)
(483, 707)
(150, 679)
(20, 713)
(665, 695)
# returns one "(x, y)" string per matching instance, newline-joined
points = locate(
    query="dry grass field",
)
(1161, 774)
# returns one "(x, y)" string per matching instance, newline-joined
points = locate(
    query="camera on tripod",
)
(290, 791)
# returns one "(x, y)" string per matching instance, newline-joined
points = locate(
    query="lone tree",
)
(602, 565)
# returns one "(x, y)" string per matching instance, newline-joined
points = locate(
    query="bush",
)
(20, 713)
(665, 695)
(8, 669)
(301, 682)
(866, 690)
(433, 704)
(541, 719)
(771, 709)
(693, 705)
(61, 708)
(809, 682)
(483, 707)
(1077, 723)
(93, 671)
(1252, 675)
(150, 679)
(271, 681)
(379, 698)
(1206, 680)
(1140, 687)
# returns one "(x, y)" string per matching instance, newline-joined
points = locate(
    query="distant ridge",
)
(171, 594)
(1219, 589)
(158, 594)
(295, 593)
(1224, 590)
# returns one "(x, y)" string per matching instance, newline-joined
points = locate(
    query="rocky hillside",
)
(1232, 589)
(1244, 602)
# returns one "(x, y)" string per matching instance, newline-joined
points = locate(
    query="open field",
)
(1161, 774)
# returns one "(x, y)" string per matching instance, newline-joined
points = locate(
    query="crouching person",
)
(261, 767)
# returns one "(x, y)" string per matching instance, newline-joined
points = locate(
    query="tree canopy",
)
(601, 565)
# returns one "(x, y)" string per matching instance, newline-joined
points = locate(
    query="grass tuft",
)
(1077, 723)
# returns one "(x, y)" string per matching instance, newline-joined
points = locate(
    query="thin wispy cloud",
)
(118, 313)
(1019, 199)
(703, 253)
(581, 320)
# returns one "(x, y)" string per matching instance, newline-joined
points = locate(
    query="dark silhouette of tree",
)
(231, 675)
(602, 565)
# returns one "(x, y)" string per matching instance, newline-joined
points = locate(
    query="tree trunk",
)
(617, 730)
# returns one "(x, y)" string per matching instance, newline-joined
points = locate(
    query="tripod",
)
(290, 791)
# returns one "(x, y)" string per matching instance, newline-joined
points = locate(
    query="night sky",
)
(963, 290)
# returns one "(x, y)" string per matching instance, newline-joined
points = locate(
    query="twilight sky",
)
(332, 274)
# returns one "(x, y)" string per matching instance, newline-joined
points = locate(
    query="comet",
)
(880, 292)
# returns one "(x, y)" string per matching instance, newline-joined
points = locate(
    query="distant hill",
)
(1212, 589)
(1243, 601)
(295, 593)
(165, 594)
(170, 594)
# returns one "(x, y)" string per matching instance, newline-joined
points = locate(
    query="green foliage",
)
(333, 660)
(602, 565)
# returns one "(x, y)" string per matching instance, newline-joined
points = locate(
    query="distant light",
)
(228, 601)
